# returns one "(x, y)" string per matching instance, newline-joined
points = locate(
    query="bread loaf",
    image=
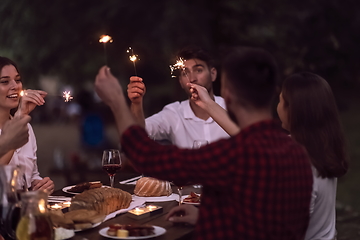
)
(152, 187)
(101, 200)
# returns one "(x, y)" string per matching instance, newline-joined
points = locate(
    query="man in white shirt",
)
(181, 122)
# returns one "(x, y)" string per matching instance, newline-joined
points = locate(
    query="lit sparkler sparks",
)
(105, 39)
(133, 57)
(67, 96)
(179, 65)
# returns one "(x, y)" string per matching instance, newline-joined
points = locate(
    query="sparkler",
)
(133, 57)
(105, 39)
(66, 95)
(179, 65)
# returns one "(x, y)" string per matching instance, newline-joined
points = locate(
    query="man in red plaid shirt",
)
(257, 184)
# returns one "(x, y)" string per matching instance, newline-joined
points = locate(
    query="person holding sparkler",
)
(181, 122)
(14, 134)
(256, 184)
(328, 159)
(12, 97)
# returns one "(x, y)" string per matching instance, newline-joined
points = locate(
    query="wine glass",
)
(179, 188)
(199, 143)
(111, 163)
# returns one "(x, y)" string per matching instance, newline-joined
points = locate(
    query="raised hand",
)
(107, 86)
(199, 95)
(136, 89)
(15, 132)
(183, 213)
(30, 100)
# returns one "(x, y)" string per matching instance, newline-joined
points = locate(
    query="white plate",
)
(134, 203)
(157, 230)
(190, 203)
(172, 197)
(66, 189)
(61, 232)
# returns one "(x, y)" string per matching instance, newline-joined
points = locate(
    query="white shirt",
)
(322, 209)
(25, 157)
(178, 124)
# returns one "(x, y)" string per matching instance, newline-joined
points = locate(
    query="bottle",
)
(34, 223)
(9, 204)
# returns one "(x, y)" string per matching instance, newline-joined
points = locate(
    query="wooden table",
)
(173, 231)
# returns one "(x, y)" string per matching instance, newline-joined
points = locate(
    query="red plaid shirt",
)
(256, 185)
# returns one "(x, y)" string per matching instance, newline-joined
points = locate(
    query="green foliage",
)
(61, 37)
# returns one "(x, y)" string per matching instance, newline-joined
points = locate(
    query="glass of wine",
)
(111, 163)
(199, 143)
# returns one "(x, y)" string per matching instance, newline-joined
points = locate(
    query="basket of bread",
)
(90, 208)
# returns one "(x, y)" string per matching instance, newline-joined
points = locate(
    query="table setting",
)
(90, 209)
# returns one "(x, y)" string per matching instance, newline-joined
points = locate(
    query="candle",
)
(138, 211)
(56, 206)
(151, 207)
(66, 204)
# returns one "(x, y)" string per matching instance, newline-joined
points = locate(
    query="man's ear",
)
(213, 73)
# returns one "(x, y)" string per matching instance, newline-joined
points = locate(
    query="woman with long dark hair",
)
(307, 109)
(11, 100)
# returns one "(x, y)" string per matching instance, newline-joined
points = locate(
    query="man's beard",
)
(232, 117)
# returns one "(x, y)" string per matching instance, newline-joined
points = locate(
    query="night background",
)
(56, 45)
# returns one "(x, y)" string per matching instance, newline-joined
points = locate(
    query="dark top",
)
(256, 185)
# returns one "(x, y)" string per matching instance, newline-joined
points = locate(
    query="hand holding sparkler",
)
(199, 95)
(107, 87)
(29, 100)
(136, 90)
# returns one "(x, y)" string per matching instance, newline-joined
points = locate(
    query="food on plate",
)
(122, 233)
(101, 200)
(133, 229)
(58, 220)
(77, 219)
(192, 198)
(79, 188)
(152, 187)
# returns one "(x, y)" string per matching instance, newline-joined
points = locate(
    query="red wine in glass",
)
(111, 163)
(111, 169)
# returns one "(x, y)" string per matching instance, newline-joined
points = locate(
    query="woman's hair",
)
(314, 122)
(6, 61)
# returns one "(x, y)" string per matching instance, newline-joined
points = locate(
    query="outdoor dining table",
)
(173, 231)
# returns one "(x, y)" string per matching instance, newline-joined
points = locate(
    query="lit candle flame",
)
(67, 96)
(105, 39)
(66, 204)
(56, 206)
(22, 92)
(179, 65)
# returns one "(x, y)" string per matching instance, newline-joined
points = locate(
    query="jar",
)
(34, 222)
